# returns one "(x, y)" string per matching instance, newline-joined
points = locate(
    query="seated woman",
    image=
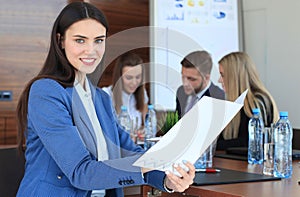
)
(128, 87)
(238, 73)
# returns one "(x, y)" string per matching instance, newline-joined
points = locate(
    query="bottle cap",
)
(123, 108)
(284, 113)
(150, 107)
(255, 111)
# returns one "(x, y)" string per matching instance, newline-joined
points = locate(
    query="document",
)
(192, 134)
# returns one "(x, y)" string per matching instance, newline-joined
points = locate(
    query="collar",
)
(200, 94)
(80, 89)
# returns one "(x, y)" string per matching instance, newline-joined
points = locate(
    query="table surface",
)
(284, 187)
(276, 188)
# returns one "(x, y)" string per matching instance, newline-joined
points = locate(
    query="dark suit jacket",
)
(181, 98)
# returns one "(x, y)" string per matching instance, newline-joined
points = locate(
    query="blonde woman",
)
(238, 73)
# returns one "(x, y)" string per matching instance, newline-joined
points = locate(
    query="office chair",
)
(11, 170)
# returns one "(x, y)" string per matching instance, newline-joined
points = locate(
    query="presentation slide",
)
(183, 26)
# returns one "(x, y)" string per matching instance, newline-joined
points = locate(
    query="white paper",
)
(192, 134)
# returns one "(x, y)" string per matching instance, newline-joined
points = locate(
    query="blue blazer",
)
(60, 147)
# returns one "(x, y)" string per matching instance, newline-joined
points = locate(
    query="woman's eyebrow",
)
(81, 36)
(102, 36)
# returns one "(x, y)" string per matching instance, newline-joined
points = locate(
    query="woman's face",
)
(84, 44)
(221, 79)
(131, 78)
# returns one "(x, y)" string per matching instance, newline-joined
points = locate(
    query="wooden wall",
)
(25, 28)
(24, 35)
(124, 15)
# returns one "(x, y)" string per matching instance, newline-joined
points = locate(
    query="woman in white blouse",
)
(128, 87)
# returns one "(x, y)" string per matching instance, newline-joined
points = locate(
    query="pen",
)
(208, 170)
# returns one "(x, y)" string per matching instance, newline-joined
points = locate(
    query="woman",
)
(239, 73)
(128, 88)
(73, 143)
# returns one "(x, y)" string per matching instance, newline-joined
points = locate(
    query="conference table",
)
(274, 188)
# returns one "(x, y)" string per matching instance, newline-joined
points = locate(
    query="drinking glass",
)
(133, 130)
(268, 168)
(140, 136)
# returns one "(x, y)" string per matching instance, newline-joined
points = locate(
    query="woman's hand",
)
(180, 184)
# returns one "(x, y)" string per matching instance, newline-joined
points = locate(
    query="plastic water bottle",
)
(150, 124)
(283, 147)
(201, 161)
(255, 130)
(124, 119)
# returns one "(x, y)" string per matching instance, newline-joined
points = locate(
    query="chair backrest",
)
(12, 165)
(296, 139)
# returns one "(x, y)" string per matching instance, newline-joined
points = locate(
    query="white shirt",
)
(129, 101)
(199, 95)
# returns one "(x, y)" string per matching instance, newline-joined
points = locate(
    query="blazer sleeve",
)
(129, 149)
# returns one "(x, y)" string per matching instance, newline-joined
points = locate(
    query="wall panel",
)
(25, 28)
(24, 35)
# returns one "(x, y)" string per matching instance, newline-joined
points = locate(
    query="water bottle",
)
(201, 161)
(206, 159)
(150, 127)
(255, 146)
(124, 119)
(283, 147)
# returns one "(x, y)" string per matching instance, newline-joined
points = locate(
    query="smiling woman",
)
(84, 45)
(61, 111)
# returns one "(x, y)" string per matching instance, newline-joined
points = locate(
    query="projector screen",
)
(182, 26)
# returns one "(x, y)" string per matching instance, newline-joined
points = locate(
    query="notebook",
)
(228, 177)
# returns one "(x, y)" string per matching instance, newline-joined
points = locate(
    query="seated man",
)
(196, 69)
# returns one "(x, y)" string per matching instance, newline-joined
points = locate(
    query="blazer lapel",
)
(82, 122)
(110, 133)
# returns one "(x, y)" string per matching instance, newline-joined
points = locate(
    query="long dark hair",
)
(127, 59)
(57, 66)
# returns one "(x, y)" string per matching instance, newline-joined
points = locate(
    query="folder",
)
(230, 176)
